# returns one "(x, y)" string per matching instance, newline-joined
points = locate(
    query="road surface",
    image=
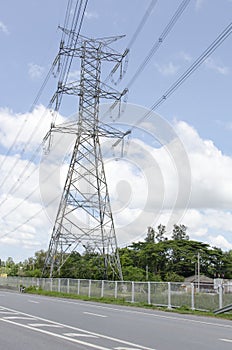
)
(37, 322)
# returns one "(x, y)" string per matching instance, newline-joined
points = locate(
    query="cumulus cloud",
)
(185, 56)
(23, 222)
(199, 4)
(35, 71)
(167, 69)
(91, 15)
(219, 68)
(74, 76)
(142, 198)
(211, 170)
(3, 28)
(144, 185)
(29, 127)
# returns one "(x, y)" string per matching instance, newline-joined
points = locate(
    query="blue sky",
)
(199, 111)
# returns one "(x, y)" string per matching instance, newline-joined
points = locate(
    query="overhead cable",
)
(196, 64)
(160, 40)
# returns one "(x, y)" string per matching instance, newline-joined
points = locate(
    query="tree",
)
(160, 235)
(155, 236)
(173, 277)
(133, 273)
(10, 262)
(11, 269)
(39, 259)
(179, 233)
(150, 235)
(227, 264)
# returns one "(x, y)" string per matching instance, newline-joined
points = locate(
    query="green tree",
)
(39, 259)
(227, 264)
(179, 233)
(133, 273)
(150, 238)
(160, 234)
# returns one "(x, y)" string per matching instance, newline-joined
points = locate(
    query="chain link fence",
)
(208, 297)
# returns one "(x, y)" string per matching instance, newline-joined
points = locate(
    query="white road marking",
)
(44, 325)
(33, 301)
(92, 314)
(58, 335)
(19, 318)
(141, 347)
(226, 340)
(120, 348)
(79, 335)
(8, 313)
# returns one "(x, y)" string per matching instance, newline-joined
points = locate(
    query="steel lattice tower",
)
(84, 215)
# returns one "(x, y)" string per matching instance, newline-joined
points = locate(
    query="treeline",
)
(157, 258)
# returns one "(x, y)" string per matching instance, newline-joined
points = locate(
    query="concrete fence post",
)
(102, 289)
(89, 294)
(149, 293)
(116, 290)
(220, 296)
(192, 297)
(78, 287)
(169, 295)
(58, 285)
(132, 292)
(68, 286)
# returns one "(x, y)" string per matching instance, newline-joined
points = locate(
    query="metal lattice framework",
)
(84, 215)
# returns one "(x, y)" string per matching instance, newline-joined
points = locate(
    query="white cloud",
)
(209, 210)
(21, 235)
(144, 186)
(185, 56)
(209, 224)
(211, 179)
(74, 76)
(220, 242)
(37, 123)
(35, 71)
(3, 28)
(199, 4)
(167, 69)
(20, 198)
(91, 15)
(212, 64)
(229, 125)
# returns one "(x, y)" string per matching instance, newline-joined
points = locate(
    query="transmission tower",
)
(84, 216)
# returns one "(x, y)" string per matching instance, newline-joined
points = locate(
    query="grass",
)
(122, 301)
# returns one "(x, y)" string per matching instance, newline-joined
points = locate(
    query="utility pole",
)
(84, 216)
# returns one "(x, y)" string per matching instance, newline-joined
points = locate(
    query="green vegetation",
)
(157, 258)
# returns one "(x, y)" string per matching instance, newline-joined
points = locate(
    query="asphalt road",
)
(30, 322)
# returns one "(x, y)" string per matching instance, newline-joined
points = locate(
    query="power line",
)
(29, 219)
(142, 23)
(39, 94)
(17, 184)
(18, 159)
(132, 41)
(211, 48)
(19, 181)
(73, 36)
(65, 72)
(157, 43)
(78, 17)
(160, 40)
